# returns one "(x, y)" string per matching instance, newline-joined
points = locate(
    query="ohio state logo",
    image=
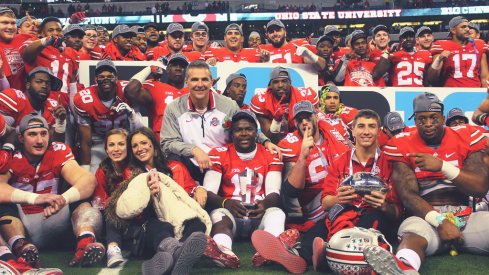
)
(214, 121)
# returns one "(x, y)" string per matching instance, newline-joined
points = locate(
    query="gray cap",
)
(275, 22)
(56, 83)
(357, 34)
(378, 28)
(406, 30)
(232, 77)
(474, 27)
(24, 123)
(89, 28)
(138, 29)
(423, 29)
(254, 33)
(330, 87)
(199, 26)
(347, 39)
(393, 121)
(330, 29)
(303, 106)
(426, 102)
(457, 20)
(101, 29)
(150, 24)
(23, 19)
(6, 10)
(244, 114)
(279, 72)
(122, 29)
(234, 26)
(456, 113)
(177, 57)
(325, 38)
(105, 64)
(74, 28)
(174, 27)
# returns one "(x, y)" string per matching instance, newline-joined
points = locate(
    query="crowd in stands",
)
(295, 164)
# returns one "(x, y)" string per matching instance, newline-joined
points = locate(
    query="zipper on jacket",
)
(202, 119)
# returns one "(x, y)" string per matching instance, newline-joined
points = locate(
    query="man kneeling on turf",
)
(243, 188)
(31, 193)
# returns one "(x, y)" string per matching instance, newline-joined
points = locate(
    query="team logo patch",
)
(214, 121)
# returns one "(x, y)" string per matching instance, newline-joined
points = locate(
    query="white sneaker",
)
(114, 256)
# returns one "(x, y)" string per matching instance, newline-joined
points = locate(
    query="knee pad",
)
(419, 226)
(274, 212)
(87, 216)
(217, 215)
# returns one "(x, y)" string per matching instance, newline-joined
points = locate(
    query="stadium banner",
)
(182, 18)
(382, 100)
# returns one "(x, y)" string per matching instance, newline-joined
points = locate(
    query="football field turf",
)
(443, 265)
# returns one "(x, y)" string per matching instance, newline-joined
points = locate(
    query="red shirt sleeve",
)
(181, 175)
(100, 189)
(331, 181)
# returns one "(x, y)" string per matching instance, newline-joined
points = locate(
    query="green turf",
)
(443, 265)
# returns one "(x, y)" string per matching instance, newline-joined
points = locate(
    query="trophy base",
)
(249, 206)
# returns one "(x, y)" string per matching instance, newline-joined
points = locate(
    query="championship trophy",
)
(248, 180)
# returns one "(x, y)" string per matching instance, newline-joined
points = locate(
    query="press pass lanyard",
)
(376, 158)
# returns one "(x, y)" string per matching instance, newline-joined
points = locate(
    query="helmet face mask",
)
(344, 251)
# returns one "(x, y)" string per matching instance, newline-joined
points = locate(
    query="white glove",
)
(124, 108)
(306, 53)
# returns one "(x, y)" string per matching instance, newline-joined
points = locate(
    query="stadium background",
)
(302, 19)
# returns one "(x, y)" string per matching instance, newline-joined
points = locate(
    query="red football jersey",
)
(359, 73)
(226, 161)
(462, 67)
(457, 144)
(375, 54)
(340, 52)
(284, 54)
(182, 176)
(162, 94)
(92, 111)
(13, 64)
(96, 54)
(383, 138)
(15, 103)
(223, 54)
(43, 178)
(60, 63)
(340, 170)
(317, 163)
(408, 68)
(101, 190)
(265, 103)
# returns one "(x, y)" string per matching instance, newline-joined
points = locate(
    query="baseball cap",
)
(423, 29)
(406, 30)
(330, 29)
(245, 114)
(101, 29)
(56, 83)
(357, 34)
(177, 57)
(457, 20)
(475, 27)
(89, 28)
(456, 113)
(303, 106)
(122, 29)
(7, 10)
(234, 26)
(378, 28)
(254, 34)
(426, 102)
(174, 27)
(325, 38)
(23, 19)
(104, 65)
(138, 29)
(73, 28)
(199, 26)
(393, 121)
(275, 22)
(279, 72)
(330, 87)
(150, 24)
(24, 123)
(232, 77)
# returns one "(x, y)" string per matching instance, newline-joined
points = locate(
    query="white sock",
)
(12, 240)
(410, 257)
(86, 233)
(274, 222)
(4, 250)
(224, 240)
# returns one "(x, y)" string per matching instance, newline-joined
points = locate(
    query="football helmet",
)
(344, 251)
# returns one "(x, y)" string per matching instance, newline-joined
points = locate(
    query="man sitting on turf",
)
(243, 188)
(32, 197)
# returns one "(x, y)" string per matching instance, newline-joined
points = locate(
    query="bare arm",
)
(407, 188)
(484, 71)
(79, 178)
(85, 144)
(6, 189)
(482, 109)
(473, 178)
(31, 52)
(382, 67)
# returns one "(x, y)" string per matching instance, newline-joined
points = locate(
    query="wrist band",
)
(434, 218)
(21, 196)
(449, 170)
(8, 146)
(71, 195)
(223, 203)
(60, 126)
(86, 167)
(481, 119)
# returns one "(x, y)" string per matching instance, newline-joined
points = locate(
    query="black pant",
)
(157, 230)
